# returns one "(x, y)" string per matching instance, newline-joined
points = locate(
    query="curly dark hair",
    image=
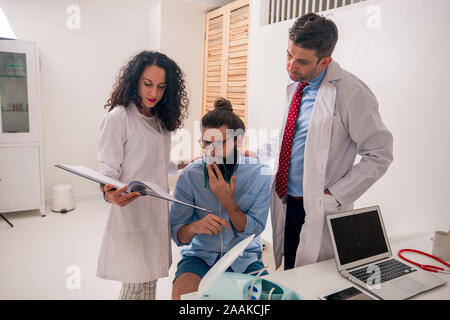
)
(172, 108)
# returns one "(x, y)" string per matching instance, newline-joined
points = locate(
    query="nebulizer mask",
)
(211, 159)
(214, 154)
(218, 284)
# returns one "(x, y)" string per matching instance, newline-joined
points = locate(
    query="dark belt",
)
(296, 198)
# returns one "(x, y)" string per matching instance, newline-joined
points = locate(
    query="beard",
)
(229, 162)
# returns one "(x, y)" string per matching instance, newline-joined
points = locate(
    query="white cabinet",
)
(20, 178)
(21, 184)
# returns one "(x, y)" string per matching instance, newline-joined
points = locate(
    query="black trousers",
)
(295, 218)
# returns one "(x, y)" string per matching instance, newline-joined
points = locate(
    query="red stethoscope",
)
(425, 267)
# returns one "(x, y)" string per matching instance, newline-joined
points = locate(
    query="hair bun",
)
(222, 103)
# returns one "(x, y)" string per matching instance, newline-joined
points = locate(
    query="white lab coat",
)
(136, 242)
(345, 122)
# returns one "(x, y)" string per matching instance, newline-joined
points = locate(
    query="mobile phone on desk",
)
(346, 293)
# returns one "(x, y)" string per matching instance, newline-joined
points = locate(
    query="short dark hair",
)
(314, 32)
(223, 115)
(172, 109)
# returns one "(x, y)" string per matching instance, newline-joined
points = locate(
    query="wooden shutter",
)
(213, 59)
(225, 56)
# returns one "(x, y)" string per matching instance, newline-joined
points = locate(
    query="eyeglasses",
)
(216, 144)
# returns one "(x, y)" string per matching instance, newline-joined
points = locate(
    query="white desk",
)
(314, 279)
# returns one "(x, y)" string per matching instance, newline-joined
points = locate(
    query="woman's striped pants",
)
(138, 291)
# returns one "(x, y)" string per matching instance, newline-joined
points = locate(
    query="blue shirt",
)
(252, 196)
(295, 173)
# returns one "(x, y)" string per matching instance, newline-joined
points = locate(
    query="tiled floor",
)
(41, 256)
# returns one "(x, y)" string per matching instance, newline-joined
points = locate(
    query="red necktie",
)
(286, 144)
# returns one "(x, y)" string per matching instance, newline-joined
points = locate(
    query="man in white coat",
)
(330, 117)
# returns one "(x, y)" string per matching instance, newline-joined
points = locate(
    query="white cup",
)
(441, 245)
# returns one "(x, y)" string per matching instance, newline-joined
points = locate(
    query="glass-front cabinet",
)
(21, 174)
(18, 94)
(14, 95)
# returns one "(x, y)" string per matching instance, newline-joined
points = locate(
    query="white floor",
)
(41, 256)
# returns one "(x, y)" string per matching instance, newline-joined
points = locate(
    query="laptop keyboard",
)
(389, 270)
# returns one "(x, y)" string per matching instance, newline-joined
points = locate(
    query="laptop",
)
(363, 255)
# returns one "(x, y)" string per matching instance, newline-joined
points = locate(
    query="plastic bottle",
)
(20, 67)
(10, 66)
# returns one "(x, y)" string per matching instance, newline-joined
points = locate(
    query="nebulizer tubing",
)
(250, 292)
(220, 208)
(270, 293)
(226, 172)
(220, 233)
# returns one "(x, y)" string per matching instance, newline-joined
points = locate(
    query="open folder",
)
(143, 187)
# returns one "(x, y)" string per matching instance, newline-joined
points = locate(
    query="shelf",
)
(6, 76)
(14, 132)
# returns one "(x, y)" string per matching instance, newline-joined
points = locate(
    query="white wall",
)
(182, 39)
(405, 64)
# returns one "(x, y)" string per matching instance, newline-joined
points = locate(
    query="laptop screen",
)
(358, 236)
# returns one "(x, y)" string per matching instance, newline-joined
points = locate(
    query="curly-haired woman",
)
(148, 102)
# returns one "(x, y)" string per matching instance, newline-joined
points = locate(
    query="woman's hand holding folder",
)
(117, 196)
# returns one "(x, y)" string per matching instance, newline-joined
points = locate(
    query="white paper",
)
(155, 190)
